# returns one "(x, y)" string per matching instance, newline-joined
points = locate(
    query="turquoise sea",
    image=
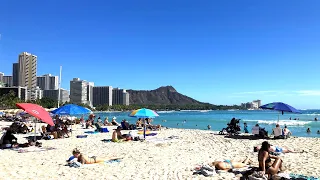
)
(219, 119)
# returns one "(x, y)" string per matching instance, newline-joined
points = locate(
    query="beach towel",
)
(76, 164)
(257, 176)
(91, 132)
(302, 177)
(151, 134)
(82, 136)
(33, 149)
(205, 170)
(106, 140)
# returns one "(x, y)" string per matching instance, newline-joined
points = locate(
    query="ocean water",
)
(219, 119)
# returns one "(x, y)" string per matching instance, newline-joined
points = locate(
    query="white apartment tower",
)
(81, 91)
(28, 73)
(48, 82)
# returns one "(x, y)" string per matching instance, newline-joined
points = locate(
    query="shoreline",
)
(157, 157)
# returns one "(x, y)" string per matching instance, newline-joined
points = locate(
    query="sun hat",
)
(114, 117)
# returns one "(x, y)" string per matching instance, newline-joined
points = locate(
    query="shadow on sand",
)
(249, 137)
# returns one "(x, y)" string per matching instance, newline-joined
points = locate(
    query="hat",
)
(114, 117)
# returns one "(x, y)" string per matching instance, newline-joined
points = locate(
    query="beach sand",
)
(156, 158)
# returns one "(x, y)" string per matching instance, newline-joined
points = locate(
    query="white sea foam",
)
(162, 112)
(282, 122)
(204, 110)
(312, 114)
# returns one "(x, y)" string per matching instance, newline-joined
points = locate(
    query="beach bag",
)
(133, 134)
(257, 176)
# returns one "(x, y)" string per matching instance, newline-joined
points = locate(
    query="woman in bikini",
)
(88, 160)
(264, 158)
(230, 164)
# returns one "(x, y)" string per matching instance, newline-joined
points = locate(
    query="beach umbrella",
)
(71, 109)
(37, 111)
(144, 113)
(281, 107)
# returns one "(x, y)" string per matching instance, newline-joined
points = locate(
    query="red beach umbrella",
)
(37, 111)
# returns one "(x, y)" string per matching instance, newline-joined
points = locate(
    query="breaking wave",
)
(282, 122)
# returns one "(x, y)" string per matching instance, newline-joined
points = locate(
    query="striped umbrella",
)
(144, 113)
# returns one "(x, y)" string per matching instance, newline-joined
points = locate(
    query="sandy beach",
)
(156, 158)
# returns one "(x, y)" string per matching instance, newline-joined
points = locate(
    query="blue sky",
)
(222, 52)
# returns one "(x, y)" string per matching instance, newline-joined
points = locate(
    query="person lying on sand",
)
(83, 159)
(230, 164)
(276, 149)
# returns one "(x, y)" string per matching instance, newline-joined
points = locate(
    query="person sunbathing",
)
(275, 149)
(106, 122)
(117, 136)
(230, 164)
(89, 159)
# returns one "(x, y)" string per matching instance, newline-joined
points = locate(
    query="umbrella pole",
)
(278, 116)
(144, 129)
(35, 127)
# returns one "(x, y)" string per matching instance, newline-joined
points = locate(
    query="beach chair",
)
(255, 130)
(44, 134)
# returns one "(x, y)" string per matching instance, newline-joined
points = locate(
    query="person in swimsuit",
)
(89, 160)
(277, 149)
(117, 136)
(264, 158)
(230, 164)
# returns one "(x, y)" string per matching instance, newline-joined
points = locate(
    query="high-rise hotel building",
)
(28, 73)
(81, 91)
(48, 82)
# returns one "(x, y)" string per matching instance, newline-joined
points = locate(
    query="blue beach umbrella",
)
(71, 109)
(281, 107)
(144, 113)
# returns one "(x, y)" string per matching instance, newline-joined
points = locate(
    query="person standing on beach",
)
(245, 127)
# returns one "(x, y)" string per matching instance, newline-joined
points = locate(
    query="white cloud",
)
(255, 92)
(277, 93)
(308, 93)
